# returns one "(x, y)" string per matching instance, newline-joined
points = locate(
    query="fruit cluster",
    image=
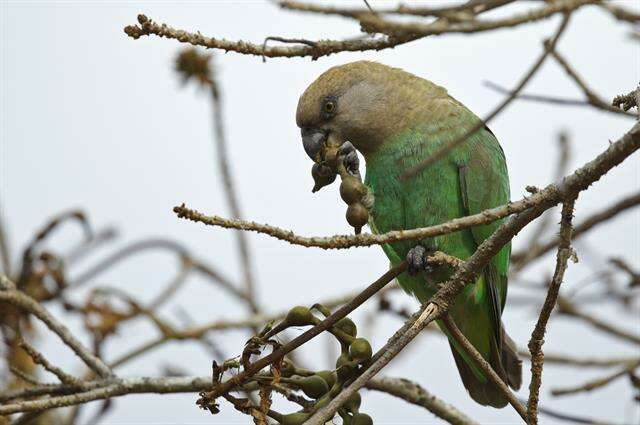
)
(352, 191)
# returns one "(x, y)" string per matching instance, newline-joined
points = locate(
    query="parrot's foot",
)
(349, 157)
(417, 260)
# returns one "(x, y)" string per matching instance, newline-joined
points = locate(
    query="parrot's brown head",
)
(362, 102)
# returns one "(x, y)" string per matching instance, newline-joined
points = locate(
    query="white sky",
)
(93, 119)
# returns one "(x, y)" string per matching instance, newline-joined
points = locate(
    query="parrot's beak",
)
(313, 142)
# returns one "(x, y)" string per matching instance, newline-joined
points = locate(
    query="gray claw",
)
(349, 158)
(416, 259)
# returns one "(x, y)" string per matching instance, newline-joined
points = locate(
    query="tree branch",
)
(415, 394)
(9, 294)
(537, 336)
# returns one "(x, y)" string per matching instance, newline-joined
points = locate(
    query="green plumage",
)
(470, 179)
(396, 120)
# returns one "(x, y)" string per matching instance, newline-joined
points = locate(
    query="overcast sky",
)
(92, 119)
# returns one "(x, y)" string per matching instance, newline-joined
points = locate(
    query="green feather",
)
(470, 179)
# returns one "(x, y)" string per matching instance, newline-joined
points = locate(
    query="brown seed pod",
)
(357, 216)
(352, 190)
(322, 176)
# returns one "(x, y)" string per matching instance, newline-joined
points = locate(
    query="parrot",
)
(395, 120)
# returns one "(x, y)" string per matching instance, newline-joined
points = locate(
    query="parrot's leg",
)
(417, 260)
(349, 157)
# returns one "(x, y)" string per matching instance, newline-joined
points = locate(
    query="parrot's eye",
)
(329, 107)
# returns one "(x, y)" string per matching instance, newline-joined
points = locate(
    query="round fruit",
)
(299, 316)
(297, 418)
(361, 419)
(352, 190)
(357, 215)
(347, 326)
(360, 350)
(314, 386)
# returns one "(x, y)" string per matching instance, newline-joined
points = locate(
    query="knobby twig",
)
(443, 150)
(488, 371)
(520, 259)
(103, 389)
(474, 7)
(324, 325)
(230, 193)
(40, 359)
(597, 383)
(569, 309)
(9, 294)
(415, 394)
(552, 194)
(555, 100)
(537, 336)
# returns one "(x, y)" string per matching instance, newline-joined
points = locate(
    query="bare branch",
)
(518, 258)
(372, 23)
(468, 8)
(562, 359)
(313, 49)
(230, 192)
(443, 150)
(591, 97)
(597, 383)
(311, 333)
(557, 100)
(569, 309)
(415, 394)
(112, 388)
(19, 299)
(38, 358)
(488, 371)
(537, 336)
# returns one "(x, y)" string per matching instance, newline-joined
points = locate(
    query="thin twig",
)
(597, 383)
(439, 304)
(537, 336)
(569, 309)
(27, 303)
(591, 97)
(518, 258)
(555, 100)
(486, 368)
(311, 333)
(112, 388)
(443, 150)
(5, 253)
(231, 192)
(417, 395)
(40, 359)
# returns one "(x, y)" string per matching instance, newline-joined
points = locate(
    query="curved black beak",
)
(313, 141)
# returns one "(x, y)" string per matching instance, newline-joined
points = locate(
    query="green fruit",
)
(347, 326)
(297, 418)
(361, 419)
(314, 386)
(360, 350)
(342, 360)
(322, 309)
(321, 403)
(329, 377)
(352, 190)
(353, 403)
(299, 316)
(287, 368)
(357, 215)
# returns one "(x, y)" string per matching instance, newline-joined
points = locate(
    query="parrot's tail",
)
(505, 363)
